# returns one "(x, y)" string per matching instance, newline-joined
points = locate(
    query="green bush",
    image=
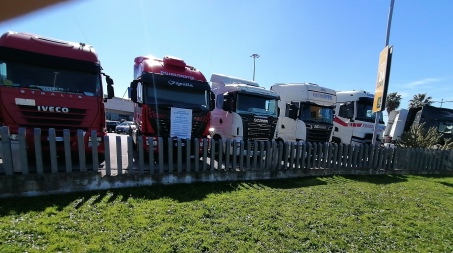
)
(419, 137)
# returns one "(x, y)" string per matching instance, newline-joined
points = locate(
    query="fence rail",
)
(185, 161)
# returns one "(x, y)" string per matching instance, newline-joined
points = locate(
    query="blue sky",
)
(329, 42)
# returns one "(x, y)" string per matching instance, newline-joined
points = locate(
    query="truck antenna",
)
(77, 23)
(127, 88)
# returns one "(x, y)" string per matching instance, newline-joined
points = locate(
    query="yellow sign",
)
(380, 94)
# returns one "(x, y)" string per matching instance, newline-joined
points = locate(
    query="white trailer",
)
(354, 118)
(243, 110)
(306, 112)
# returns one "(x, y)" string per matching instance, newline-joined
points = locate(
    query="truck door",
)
(344, 123)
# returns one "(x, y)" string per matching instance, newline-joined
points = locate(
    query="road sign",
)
(380, 94)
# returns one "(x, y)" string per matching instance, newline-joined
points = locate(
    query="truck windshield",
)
(15, 74)
(171, 97)
(316, 113)
(365, 111)
(258, 105)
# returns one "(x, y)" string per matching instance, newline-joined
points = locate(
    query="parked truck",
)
(306, 112)
(354, 119)
(171, 100)
(47, 83)
(400, 121)
(244, 111)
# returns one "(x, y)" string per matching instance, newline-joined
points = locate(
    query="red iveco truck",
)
(171, 99)
(48, 83)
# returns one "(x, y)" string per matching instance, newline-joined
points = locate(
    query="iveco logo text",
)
(261, 120)
(171, 82)
(43, 108)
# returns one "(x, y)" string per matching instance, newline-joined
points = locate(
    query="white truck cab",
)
(306, 112)
(243, 110)
(354, 118)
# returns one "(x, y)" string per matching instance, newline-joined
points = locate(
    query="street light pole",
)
(254, 58)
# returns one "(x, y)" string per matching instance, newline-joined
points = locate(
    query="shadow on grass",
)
(447, 184)
(380, 179)
(292, 183)
(179, 192)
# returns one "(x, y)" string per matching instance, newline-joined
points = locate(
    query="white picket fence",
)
(238, 159)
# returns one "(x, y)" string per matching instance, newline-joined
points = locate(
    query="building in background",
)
(119, 109)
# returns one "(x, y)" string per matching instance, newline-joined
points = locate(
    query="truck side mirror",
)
(110, 90)
(212, 101)
(350, 110)
(108, 80)
(226, 105)
(292, 110)
(133, 91)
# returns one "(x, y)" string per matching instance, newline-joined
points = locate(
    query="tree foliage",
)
(392, 101)
(420, 100)
(419, 137)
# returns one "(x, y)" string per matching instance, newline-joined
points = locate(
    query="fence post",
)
(227, 154)
(249, 154)
(119, 155)
(23, 150)
(81, 149)
(160, 152)
(345, 155)
(150, 154)
(108, 169)
(241, 155)
(334, 155)
(6, 151)
(196, 154)
(221, 147)
(303, 156)
(130, 155)
(38, 151)
(351, 157)
(179, 154)
(170, 155)
(286, 154)
(309, 156)
(206, 143)
(315, 155)
(262, 165)
(234, 156)
(67, 150)
(53, 150)
(94, 150)
(188, 149)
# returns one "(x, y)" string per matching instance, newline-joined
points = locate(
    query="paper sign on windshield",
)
(181, 123)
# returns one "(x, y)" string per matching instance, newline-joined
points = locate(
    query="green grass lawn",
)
(324, 214)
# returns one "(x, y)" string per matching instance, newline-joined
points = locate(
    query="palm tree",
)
(420, 100)
(392, 102)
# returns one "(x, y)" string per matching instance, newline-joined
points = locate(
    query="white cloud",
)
(422, 82)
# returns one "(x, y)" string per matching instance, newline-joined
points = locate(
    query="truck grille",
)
(259, 131)
(318, 135)
(45, 120)
(161, 123)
